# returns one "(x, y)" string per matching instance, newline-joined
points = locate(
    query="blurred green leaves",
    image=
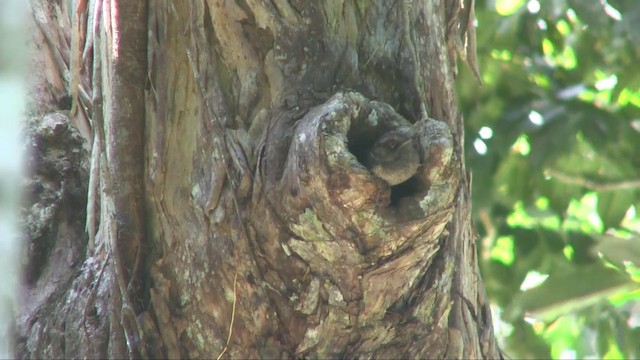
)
(553, 141)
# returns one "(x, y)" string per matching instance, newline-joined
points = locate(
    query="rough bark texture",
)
(229, 212)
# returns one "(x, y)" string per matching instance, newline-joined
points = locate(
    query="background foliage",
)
(553, 142)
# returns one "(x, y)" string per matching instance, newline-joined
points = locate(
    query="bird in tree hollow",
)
(395, 157)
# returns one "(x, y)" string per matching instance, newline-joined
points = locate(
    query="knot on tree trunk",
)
(357, 156)
(354, 238)
(338, 184)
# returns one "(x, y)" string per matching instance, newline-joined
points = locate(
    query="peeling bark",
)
(231, 213)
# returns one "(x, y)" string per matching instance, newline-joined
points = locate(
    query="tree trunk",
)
(225, 200)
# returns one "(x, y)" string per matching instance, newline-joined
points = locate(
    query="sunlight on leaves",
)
(547, 46)
(503, 55)
(480, 146)
(562, 95)
(607, 83)
(588, 96)
(532, 280)
(485, 132)
(604, 85)
(536, 118)
(521, 146)
(563, 28)
(540, 215)
(567, 59)
(623, 298)
(533, 6)
(628, 96)
(503, 250)
(520, 218)
(612, 12)
(634, 271)
(562, 335)
(613, 352)
(568, 251)
(540, 79)
(508, 7)
(542, 203)
(583, 215)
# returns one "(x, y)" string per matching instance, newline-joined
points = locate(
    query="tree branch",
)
(597, 185)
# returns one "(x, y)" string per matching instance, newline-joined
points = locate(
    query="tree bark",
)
(227, 203)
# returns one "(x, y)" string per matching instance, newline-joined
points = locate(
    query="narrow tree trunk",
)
(234, 207)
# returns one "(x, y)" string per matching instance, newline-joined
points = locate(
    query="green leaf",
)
(613, 205)
(568, 291)
(618, 250)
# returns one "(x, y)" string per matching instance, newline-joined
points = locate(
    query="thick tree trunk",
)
(232, 204)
